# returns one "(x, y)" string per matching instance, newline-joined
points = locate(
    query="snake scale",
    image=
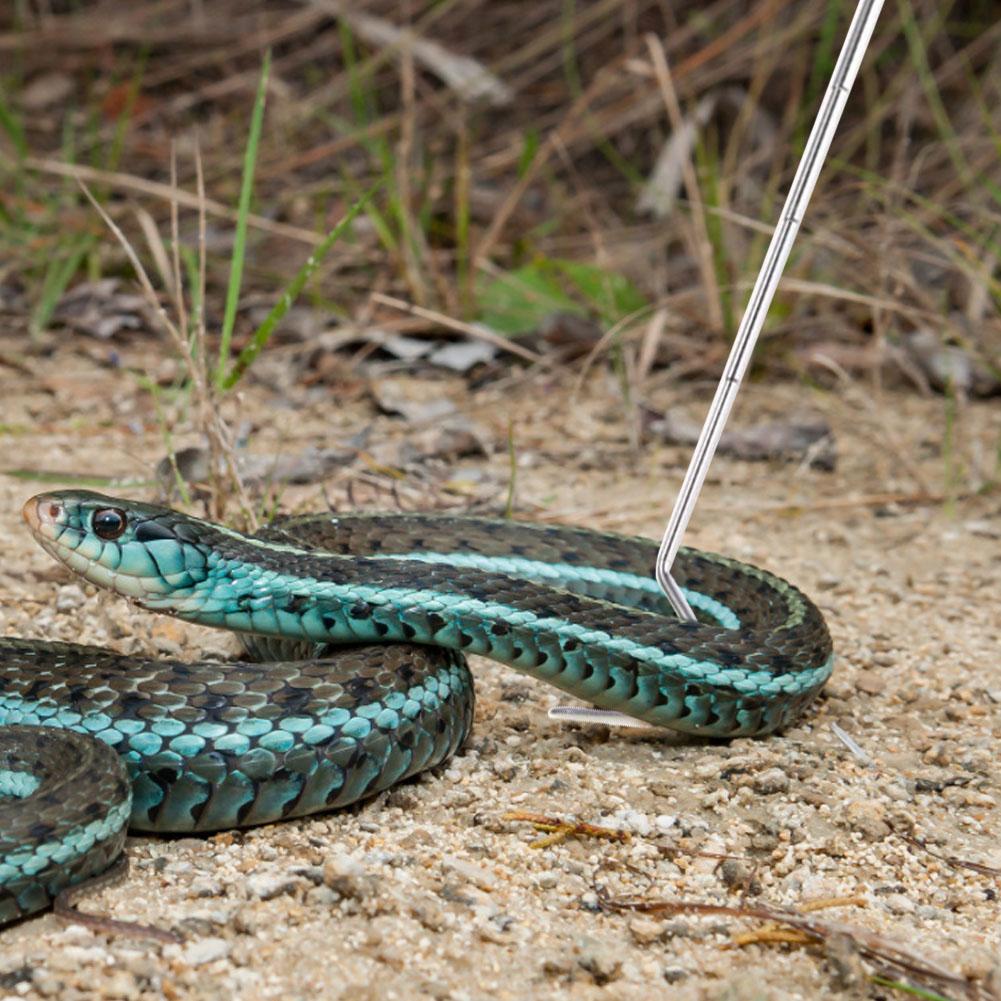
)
(202, 747)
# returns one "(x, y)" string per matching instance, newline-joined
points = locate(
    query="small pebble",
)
(870, 682)
(46, 982)
(205, 950)
(772, 781)
(547, 880)
(349, 878)
(268, 885)
(734, 873)
(600, 958)
(664, 822)
(632, 821)
(645, 930)
(469, 871)
(71, 957)
(867, 817)
(68, 597)
(121, 986)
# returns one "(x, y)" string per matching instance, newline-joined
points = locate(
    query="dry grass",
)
(549, 163)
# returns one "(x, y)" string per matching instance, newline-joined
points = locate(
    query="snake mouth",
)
(48, 519)
(42, 513)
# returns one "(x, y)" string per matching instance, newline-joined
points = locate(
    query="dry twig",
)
(889, 957)
(559, 830)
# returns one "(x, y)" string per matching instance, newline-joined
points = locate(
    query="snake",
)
(357, 628)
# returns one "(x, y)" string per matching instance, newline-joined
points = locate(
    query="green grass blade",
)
(571, 73)
(917, 992)
(243, 210)
(987, 118)
(11, 125)
(461, 201)
(531, 141)
(821, 68)
(918, 50)
(360, 85)
(124, 120)
(58, 274)
(291, 292)
(707, 156)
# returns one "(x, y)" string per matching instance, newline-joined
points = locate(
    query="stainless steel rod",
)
(819, 142)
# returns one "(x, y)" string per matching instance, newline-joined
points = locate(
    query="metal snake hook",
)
(845, 71)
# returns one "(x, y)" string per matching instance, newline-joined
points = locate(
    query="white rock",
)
(205, 950)
(665, 821)
(470, 872)
(68, 597)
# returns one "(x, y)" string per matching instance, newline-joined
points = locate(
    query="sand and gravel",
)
(428, 891)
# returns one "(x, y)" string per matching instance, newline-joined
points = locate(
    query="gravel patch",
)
(429, 891)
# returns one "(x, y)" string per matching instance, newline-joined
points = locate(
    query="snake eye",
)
(108, 523)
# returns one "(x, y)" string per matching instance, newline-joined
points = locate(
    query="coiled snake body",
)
(211, 746)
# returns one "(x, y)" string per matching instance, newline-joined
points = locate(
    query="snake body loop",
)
(211, 746)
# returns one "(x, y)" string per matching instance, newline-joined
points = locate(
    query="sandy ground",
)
(428, 891)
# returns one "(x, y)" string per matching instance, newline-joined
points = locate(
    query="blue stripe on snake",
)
(366, 619)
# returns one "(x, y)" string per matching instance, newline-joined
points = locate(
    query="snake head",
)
(138, 550)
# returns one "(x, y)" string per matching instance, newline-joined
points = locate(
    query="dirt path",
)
(428, 891)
